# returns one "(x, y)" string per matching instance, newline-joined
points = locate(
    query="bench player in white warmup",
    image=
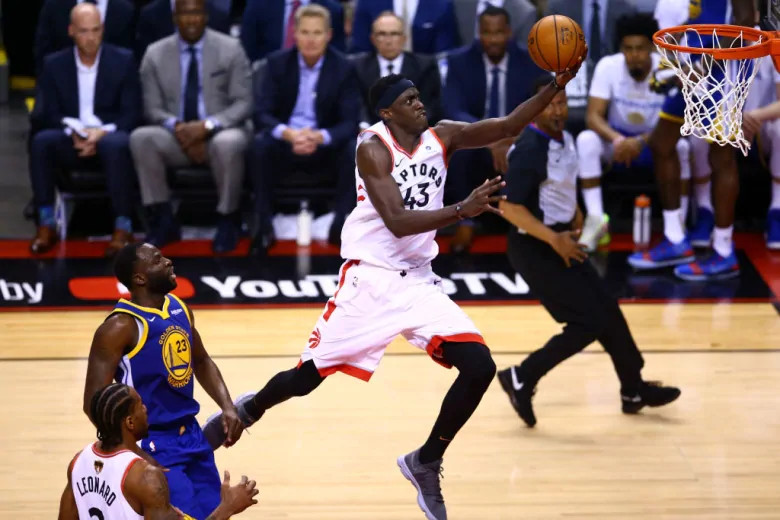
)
(111, 480)
(386, 285)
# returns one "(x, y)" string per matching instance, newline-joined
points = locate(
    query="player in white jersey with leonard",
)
(622, 110)
(111, 480)
(386, 285)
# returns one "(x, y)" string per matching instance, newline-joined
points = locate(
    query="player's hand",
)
(626, 150)
(562, 78)
(751, 125)
(197, 152)
(483, 197)
(565, 244)
(232, 426)
(498, 150)
(237, 498)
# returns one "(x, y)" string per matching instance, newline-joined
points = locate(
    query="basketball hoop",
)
(715, 66)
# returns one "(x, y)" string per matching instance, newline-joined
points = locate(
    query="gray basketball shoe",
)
(212, 429)
(426, 478)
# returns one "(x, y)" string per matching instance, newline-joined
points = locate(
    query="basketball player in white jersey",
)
(386, 286)
(622, 110)
(110, 480)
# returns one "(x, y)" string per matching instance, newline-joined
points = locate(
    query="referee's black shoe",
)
(519, 393)
(651, 393)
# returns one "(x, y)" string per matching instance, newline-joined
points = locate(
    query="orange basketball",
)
(555, 42)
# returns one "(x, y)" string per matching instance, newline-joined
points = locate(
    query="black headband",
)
(392, 93)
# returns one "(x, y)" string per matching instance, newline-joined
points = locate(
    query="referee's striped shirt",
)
(542, 176)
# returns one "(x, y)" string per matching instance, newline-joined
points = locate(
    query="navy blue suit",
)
(464, 98)
(156, 22)
(52, 32)
(434, 28)
(117, 100)
(337, 110)
(263, 25)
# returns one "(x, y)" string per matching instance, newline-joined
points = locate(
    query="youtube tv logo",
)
(109, 288)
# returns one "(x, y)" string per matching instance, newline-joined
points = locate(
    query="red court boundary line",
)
(315, 305)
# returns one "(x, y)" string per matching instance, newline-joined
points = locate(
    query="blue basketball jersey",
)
(159, 367)
(709, 11)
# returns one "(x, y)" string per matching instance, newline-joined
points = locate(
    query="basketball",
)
(555, 42)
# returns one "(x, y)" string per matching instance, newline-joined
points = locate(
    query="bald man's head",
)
(86, 29)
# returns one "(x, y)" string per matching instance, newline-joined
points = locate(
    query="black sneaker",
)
(651, 393)
(519, 394)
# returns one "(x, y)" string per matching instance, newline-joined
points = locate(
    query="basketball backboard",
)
(771, 21)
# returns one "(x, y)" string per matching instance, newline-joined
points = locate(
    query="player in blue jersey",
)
(676, 248)
(150, 343)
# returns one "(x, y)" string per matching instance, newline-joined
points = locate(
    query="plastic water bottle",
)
(304, 224)
(642, 222)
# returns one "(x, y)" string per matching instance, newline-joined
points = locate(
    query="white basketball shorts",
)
(372, 306)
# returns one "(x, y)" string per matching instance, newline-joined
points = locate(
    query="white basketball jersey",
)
(633, 107)
(420, 177)
(97, 479)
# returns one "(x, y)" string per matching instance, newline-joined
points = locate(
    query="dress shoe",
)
(45, 239)
(119, 239)
(461, 242)
(226, 238)
(261, 243)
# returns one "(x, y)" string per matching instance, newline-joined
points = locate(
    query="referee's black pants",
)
(576, 297)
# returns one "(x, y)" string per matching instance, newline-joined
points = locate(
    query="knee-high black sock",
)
(476, 369)
(284, 385)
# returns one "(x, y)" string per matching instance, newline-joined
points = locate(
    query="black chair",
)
(297, 185)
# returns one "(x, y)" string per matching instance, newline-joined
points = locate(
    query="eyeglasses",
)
(383, 34)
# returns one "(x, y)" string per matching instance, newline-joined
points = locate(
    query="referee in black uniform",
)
(542, 204)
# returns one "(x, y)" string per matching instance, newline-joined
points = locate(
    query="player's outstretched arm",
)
(375, 164)
(743, 12)
(148, 487)
(111, 339)
(458, 135)
(210, 378)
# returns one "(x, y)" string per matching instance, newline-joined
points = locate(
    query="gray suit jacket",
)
(573, 9)
(522, 15)
(225, 76)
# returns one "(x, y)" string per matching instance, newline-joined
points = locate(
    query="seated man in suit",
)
(269, 25)
(522, 13)
(388, 57)
(90, 101)
(197, 94)
(487, 79)
(155, 22)
(117, 17)
(430, 24)
(306, 117)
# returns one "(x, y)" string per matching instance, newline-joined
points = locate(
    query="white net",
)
(714, 90)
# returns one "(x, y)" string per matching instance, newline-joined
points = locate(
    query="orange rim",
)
(770, 43)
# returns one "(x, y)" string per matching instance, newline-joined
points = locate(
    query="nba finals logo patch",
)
(177, 357)
(98, 466)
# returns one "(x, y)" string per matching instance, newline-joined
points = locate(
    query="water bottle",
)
(642, 222)
(304, 224)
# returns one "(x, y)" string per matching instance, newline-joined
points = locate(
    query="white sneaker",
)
(594, 228)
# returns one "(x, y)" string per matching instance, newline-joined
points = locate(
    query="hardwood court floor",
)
(714, 454)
